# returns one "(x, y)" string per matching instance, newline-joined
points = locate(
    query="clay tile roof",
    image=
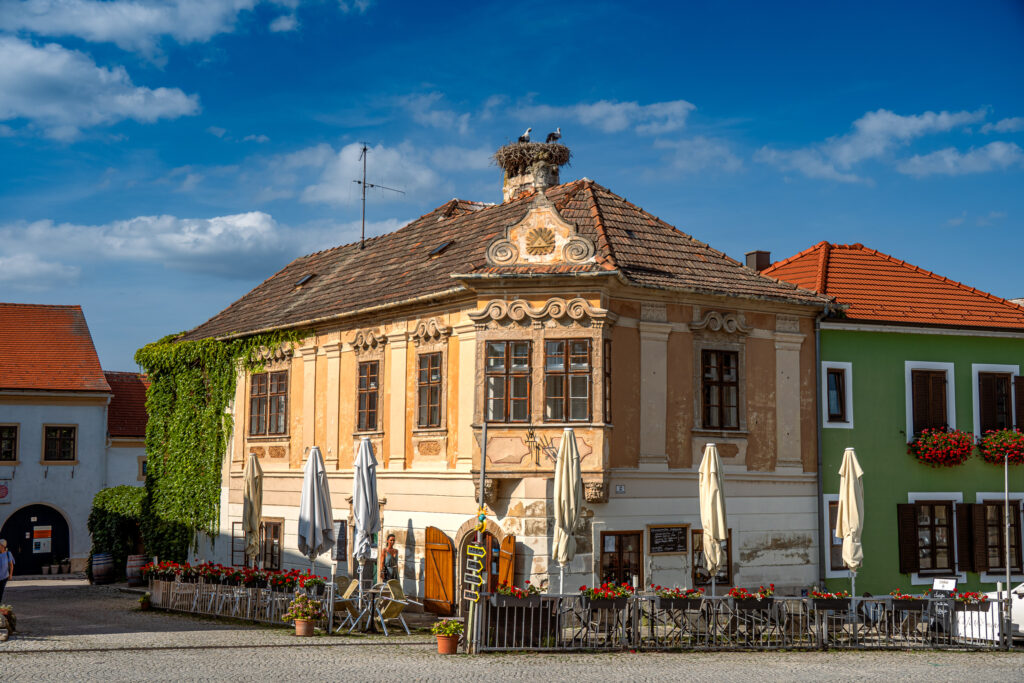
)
(47, 348)
(126, 415)
(878, 287)
(398, 266)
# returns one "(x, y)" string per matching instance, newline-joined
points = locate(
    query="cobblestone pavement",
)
(72, 631)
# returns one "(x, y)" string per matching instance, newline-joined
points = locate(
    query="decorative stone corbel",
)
(490, 491)
(595, 491)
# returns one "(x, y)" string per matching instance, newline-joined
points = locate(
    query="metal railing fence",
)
(262, 605)
(647, 622)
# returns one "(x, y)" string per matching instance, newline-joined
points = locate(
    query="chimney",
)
(759, 260)
(530, 166)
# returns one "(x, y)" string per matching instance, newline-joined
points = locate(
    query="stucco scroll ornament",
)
(502, 252)
(368, 340)
(578, 250)
(279, 352)
(555, 308)
(713, 321)
(428, 331)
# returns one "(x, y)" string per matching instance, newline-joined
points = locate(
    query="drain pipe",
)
(822, 524)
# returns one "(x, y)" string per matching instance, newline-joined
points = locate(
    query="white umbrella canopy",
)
(316, 521)
(365, 509)
(715, 530)
(252, 505)
(850, 515)
(568, 498)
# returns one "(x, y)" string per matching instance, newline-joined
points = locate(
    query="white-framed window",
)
(837, 395)
(954, 498)
(1000, 398)
(834, 568)
(994, 536)
(922, 378)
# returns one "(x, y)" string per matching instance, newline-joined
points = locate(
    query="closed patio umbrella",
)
(316, 521)
(252, 506)
(364, 504)
(568, 497)
(850, 515)
(712, 511)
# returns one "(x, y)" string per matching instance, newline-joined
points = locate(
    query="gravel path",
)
(72, 631)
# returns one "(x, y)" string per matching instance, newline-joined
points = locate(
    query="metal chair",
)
(346, 603)
(394, 606)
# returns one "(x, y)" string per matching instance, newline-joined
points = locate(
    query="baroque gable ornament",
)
(429, 331)
(728, 323)
(280, 352)
(542, 237)
(519, 311)
(368, 340)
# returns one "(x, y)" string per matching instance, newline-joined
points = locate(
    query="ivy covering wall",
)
(114, 522)
(191, 386)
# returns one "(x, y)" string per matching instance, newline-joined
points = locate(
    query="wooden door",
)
(439, 573)
(507, 561)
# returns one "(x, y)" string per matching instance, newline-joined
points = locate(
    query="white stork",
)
(556, 136)
(525, 137)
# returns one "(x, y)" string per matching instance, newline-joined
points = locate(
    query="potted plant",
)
(448, 632)
(46, 568)
(997, 444)
(65, 566)
(146, 601)
(941, 447)
(969, 601)
(606, 596)
(305, 612)
(7, 612)
(678, 598)
(511, 596)
(759, 600)
(906, 603)
(313, 585)
(838, 601)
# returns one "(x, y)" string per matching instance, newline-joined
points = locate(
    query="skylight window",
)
(441, 247)
(305, 279)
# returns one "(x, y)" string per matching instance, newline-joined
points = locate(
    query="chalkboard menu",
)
(667, 539)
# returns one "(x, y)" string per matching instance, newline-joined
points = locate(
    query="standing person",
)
(6, 566)
(389, 560)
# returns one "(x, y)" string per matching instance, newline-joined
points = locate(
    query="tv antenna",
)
(362, 156)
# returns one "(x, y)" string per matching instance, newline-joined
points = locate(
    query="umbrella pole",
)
(712, 585)
(561, 578)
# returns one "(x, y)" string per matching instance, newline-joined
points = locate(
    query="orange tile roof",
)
(126, 415)
(878, 287)
(398, 266)
(47, 348)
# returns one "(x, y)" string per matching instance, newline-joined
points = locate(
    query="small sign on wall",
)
(5, 491)
(41, 538)
(668, 539)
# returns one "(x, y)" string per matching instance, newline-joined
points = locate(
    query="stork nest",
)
(517, 158)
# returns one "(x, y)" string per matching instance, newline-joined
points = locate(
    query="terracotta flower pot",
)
(145, 605)
(447, 645)
(304, 627)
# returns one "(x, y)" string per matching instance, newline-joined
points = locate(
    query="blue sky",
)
(159, 158)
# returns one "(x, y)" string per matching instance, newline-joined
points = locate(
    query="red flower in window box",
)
(941, 447)
(996, 444)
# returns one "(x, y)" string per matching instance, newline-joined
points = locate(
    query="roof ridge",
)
(794, 257)
(602, 235)
(821, 281)
(6, 303)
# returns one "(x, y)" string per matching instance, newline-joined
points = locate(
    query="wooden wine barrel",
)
(134, 569)
(103, 568)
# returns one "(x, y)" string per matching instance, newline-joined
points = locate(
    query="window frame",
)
(956, 498)
(618, 551)
(986, 368)
(697, 548)
(428, 386)
(15, 443)
(950, 544)
(704, 384)
(566, 375)
(606, 376)
(268, 554)
(847, 372)
(1016, 503)
(74, 445)
(508, 374)
(908, 368)
(362, 425)
(828, 501)
(267, 399)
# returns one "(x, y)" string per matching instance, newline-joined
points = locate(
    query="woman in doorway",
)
(389, 560)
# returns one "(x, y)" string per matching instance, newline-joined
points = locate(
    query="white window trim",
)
(910, 365)
(989, 367)
(830, 535)
(956, 497)
(999, 497)
(847, 369)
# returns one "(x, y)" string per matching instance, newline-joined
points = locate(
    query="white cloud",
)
(875, 135)
(216, 131)
(699, 153)
(28, 271)
(613, 117)
(401, 167)
(357, 6)
(62, 91)
(424, 111)
(284, 23)
(1010, 125)
(950, 161)
(256, 138)
(453, 158)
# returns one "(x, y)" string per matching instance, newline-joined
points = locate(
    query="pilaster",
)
(332, 351)
(787, 399)
(653, 390)
(398, 344)
(466, 334)
(308, 355)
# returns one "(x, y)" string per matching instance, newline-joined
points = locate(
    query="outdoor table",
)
(370, 597)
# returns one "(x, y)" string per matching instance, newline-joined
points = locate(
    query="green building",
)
(905, 350)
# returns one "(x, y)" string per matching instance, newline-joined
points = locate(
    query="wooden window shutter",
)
(964, 549)
(919, 391)
(979, 538)
(439, 572)
(906, 520)
(1018, 407)
(937, 399)
(237, 545)
(507, 561)
(987, 397)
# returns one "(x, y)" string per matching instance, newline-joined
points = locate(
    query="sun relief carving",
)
(542, 237)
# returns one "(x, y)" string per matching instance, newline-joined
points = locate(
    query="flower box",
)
(605, 603)
(978, 606)
(680, 603)
(834, 604)
(909, 605)
(752, 604)
(498, 600)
